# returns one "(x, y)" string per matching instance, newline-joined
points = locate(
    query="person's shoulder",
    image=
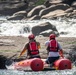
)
(37, 42)
(47, 42)
(27, 44)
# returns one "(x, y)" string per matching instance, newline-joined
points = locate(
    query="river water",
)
(66, 27)
(15, 72)
(23, 28)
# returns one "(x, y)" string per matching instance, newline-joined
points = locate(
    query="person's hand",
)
(61, 57)
(19, 56)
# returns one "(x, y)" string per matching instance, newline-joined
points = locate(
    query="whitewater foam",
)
(65, 27)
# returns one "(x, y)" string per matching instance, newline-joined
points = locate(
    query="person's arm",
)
(61, 53)
(38, 45)
(23, 51)
(46, 45)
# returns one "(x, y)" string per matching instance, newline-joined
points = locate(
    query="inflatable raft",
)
(37, 64)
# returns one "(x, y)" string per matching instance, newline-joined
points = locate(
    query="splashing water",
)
(66, 27)
(15, 72)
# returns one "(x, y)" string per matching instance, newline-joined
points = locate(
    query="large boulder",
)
(18, 15)
(74, 5)
(39, 29)
(73, 14)
(35, 17)
(56, 13)
(2, 62)
(23, 13)
(69, 2)
(10, 8)
(35, 10)
(53, 8)
(72, 54)
(69, 10)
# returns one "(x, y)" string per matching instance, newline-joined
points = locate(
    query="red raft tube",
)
(62, 64)
(37, 64)
(34, 64)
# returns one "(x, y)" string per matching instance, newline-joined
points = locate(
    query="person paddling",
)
(54, 49)
(32, 48)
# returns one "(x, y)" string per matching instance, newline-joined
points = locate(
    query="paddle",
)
(9, 61)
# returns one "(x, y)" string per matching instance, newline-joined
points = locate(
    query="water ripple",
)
(58, 72)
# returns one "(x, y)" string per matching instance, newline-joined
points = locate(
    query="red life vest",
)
(33, 48)
(53, 46)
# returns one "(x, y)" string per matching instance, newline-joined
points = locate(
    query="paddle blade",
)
(8, 62)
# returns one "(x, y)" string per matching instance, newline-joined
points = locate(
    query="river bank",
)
(11, 45)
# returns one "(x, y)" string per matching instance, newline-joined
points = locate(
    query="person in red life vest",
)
(54, 49)
(32, 48)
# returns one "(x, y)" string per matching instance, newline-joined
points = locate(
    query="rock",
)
(47, 3)
(73, 14)
(53, 8)
(37, 30)
(6, 51)
(56, 13)
(69, 2)
(35, 10)
(22, 13)
(69, 10)
(48, 10)
(46, 33)
(74, 5)
(10, 8)
(2, 62)
(35, 17)
(68, 44)
(72, 53)
(18, 15)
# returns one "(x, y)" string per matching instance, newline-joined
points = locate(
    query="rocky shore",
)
(11, 45)
(28, 10)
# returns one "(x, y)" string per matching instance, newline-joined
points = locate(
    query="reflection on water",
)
(15, 72)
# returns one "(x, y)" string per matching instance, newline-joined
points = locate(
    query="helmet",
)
(31, 36)
(52, 36)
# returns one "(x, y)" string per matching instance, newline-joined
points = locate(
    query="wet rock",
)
(72, 53)
(35, 17)
(74, 5)
(53, 8)
(46, 33)
(69, 2)
(2, 62)
(22, 13)
(35, 10)
(47, 3)
(43, 27)
(10, 8)
(69, 10)
(53, 14)
(18, 15)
